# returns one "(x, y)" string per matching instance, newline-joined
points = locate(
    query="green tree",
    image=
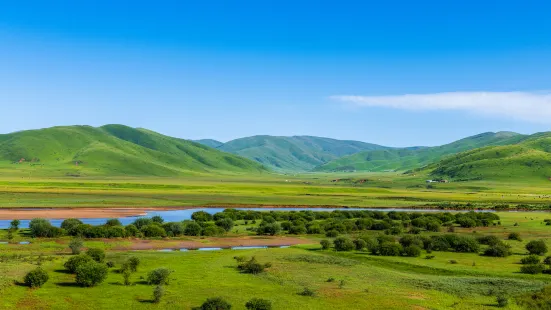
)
(15, 224)
(325, 244)
(159, 276)
(343, 244)
(74, 262)
(158, 293)
(91, 274)
(76, 245)
(113, 222)
(258, 304)
(216, 303)
(225, 223)
(36, 277)
(201, 216)
(96, 254)
(537, 247)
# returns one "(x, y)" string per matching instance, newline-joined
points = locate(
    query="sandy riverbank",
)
(63, 213)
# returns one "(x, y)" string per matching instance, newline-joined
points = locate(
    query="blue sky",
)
(396, 73)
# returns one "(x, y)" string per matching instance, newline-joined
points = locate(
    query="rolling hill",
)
(528, 159)
(113, 150)
(410, 158)
(296, 153)
(209, 142)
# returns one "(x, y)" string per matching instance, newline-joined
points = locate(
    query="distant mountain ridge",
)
(114, 150)
(410, 158)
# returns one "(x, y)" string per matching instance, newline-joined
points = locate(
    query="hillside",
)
(297, 153)
(409, 158)
(112, 150)
(528, 159)
(209, 142)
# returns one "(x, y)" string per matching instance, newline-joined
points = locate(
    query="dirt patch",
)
(210, 242)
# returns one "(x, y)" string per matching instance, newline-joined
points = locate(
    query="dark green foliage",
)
(532, 269)
(268, 228)
(157, 219)
(91, 274)
(499, 250)
(201, 216)
(113, 222)
(216, 303)
(537, 247)
(131, 264)
(360, 244)
(76, 245)
(159, 276)
(307, 292)
(408, 240)
(158, 293)
(325, 244)
(131, 230)
(96, 254)
(116, 232)
(153, 230)
(142, 222)
(36, 277)
(412, 251)
(225, 223)
(192, 229)
(530, 260)
(258, 304)
(488, 240)
(174, 229)
(315, 229)
(502, 301)
(332, 233)
(390, 249)
(74, 262)
(536, 300)
(110, 264)
(70, 225)
(15, 224)
(42, 228)
(343, 244)
(547, 260)
(514, 236)
(252, 266)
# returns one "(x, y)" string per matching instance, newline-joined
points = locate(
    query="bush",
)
(76, 245)
(502, 301)
(390, 249)
(110, 264)
(537, 247)
(488, 240)
(532, 269)
(530, 260)
(174, 228)
(159, 276)
(201, 216)
(70, 225)
(15, 224)
(252, 266)
(96, 254)
(116, 232)
(514, 236)
(158, 293)
(332, 233)
(153, 230)
(131, 230)
(216, 303)
(547, 260)
(74, 262)
(91, 274)
(499, 250)
(297, 230)
(360, 244)
(258, 304)
(466, 245)
(157, 219)
(113, 222)
(343, 244)
(36, 277)
(325, 244)
(268, 228)
(41, 228)
(132, 263)
(307, 292)
(192, 229)
(412, 251)
(225, 223)
(126, 273)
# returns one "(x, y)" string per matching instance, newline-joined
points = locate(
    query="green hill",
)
(210, 142)
(297, 153)
(112, 150)
(528, 159)
(409, 158)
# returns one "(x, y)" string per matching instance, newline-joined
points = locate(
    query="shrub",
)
(36, 277)
(297, 229)
(113, 222)
(466, 245)
(126, 273)
(225, 223)
(502, 301)
(132, 263)
(408, 240)
(141, 222)
(530, 260)
(488, 240)
(332, 233)
(70, 225)
(258, 304)
(192, 229)
(307, 292)
(547, 260)
(325, 244)
(157, 219)
(96, 254)
(532, 269)
(116, 232)
(514, 236)
(76, 245)
(266, 228)
(40, 227)
(91, 274)
(74, 262)
(131, 230)
(252, 266)
(174, 228)
(158, 293)
(498, 250)
(15, 224)
(360, 244)
(153, 230)
(110, 264)
(537, 247)
(343, 244)
(390, 249)
(159, 276)
(453, 262)
(315, 229)
(201, 216)
(216, 303)
(412, 251)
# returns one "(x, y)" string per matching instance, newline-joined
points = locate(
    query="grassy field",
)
(368, 282)
(353, 189)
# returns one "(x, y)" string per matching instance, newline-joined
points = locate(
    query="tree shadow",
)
(65, 271)
(142, 282)
(20, 283)
(68, 284)
(145, 301)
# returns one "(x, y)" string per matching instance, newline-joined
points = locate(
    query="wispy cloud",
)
(526, 106)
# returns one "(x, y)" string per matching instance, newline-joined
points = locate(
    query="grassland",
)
(369, 282)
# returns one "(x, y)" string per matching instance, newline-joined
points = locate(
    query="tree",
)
(530, 260)
(532, 269)
(158, 293)
(498, 250)
(268, 228)
(390, 249)
(141, 222)
(157, 219)
(113, 222)
(36, 277)
(159, 276)
(201, 216)
(225, 223)
(70, 225)
(131, 230)
(343, 244)
(39, 227)
(192, 229)
(15, 224)
(74, 262)
(537, 247)
(132, 263)
(76, 245)
(514, 236)
(91, 274)
(96, 254)
(216, 303)
(153, 230)
(325, 244)
(258, 304)
(412, 251)
(126, 273)
(360, 244)
(252, 266)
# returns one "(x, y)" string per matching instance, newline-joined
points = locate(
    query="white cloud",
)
(526, 106)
